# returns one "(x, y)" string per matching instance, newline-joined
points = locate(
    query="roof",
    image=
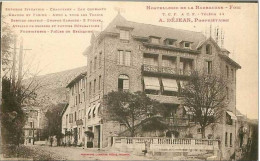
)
(81, 75)
(64, 109)
(146, 30)
(229, 60)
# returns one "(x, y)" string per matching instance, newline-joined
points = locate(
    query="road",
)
(77, 153)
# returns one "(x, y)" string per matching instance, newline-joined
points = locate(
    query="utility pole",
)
(20, 70)
(20, 64)
(14, 65)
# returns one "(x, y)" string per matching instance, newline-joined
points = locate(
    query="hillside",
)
(52, 88)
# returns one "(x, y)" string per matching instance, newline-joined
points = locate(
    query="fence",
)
(163, 144)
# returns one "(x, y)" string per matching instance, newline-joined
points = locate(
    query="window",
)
(90, 65)
(123, 83)
(199, 130)
(99, 82)
(150, 59)
(30, 133)
(170, 42)
(66, 120)
(208, 49)
(76, 100)
(155, 40)
(95, 63)
(90, 89)
(72, 90)
(84, 96)
(168, 62)
(209, 67)
(75, 116)
(79, 99)
(120, 59)
(228, 119)
(31, 124)
(100, 59)
(70, 118)
(94, 92)
(232, 74)
(79, 133)
(230, 140)
(227, 71)
(226, 139)
(124, 34)
(227, 92)
(124, 57)
(186, 44)
(127, 58)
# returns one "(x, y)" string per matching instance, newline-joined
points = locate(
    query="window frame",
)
(187, 47)
(208, 49)
(124, 34)
(123, 79)
(122, 57)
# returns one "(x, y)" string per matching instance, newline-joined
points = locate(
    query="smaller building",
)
(32, 128)
(73, 114)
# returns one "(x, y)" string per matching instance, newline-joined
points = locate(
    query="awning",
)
(97, 108)
(89, 111)
(170, 84)
(151, 83)
(232, 115)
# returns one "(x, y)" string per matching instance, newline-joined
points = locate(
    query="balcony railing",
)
(165, 70)
(162, 144)
(173, 121)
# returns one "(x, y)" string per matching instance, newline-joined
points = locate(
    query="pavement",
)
(78, 153)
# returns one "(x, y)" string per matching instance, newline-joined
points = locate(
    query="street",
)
(78, 153)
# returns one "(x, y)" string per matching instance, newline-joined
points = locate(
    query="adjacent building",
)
(132, 56)
(32, 128)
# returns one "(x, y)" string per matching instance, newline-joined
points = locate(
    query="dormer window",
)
(170, 42)
(208, 49)
(154, 40)
(124, 35)
(186, 44)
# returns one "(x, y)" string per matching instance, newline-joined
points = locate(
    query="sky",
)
(58, 52)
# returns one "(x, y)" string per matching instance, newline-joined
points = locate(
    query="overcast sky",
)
(58, 52)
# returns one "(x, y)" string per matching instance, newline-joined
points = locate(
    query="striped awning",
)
(232, 115)
(151, 83)
(169, 84)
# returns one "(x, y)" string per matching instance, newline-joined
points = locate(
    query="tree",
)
(15, 94)
(205, 96)
(130, 108)
(54, 121)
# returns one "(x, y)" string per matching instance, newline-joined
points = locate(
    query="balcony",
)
(165, 70)
(173, 121)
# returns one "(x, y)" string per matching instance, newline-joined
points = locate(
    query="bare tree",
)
(205, 96)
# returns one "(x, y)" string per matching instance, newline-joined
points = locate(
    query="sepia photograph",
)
(114, 80)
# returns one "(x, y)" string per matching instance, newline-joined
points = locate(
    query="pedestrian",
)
(51, 140)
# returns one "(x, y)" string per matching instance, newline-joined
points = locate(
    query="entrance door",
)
(98, 131)
(75, 136)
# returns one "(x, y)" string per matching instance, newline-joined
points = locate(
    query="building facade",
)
(32, 128)
(157, 60)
